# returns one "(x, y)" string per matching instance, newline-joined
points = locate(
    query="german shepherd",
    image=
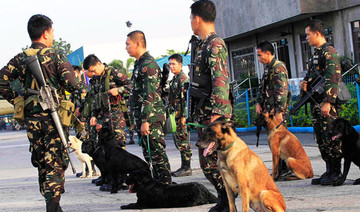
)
(243, 172)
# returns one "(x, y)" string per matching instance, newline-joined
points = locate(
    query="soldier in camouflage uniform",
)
(108, 84)
(210, 68)
(273, 90)
(78, 97)
(324, 109)
(177, 103)
(147, 105)
(48, 152)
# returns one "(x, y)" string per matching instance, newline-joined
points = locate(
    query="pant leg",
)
(49, 156)
(181, 141)
(160, 161)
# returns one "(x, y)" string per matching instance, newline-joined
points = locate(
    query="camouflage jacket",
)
(177, 94)
(116, 80)
(78, 96)
(145, 98)
(327, 63)
(274, 87)
(216, 60)
(55, 66)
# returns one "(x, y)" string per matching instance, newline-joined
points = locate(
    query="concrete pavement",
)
(19, 189)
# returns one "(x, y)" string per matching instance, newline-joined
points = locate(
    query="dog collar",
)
(228, 147)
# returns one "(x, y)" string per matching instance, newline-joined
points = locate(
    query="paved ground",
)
(19, 189)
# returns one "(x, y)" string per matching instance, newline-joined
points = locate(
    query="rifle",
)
(318, 87)
(194, 41)
(46, 99)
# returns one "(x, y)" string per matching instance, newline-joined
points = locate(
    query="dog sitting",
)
(85, 159)
(285, 145)
(119, 161)
(154, 194)
(341, 128)
(242, 171)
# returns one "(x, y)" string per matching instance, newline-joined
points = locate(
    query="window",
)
(305, 51)
(243, 64)
(355, 30)
(282, 53)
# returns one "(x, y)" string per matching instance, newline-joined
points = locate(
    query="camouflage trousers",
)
(322, 125)
(208, 164)
(181, 140)
(48, 155)
(118, 124)
(159, 159)
(129, 124)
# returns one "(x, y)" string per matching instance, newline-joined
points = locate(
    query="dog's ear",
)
(348, 127)
(225, 127)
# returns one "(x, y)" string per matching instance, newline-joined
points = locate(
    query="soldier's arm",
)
(219, 98)
(67, 74)
(281, 88)
(8, 74)
(332, 76)
(183, 80)
(150, 97)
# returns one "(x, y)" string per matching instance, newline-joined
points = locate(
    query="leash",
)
(196, 125)
(150, 160)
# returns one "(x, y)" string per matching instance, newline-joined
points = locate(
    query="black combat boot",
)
(184, 170)
(317, 181)
(222, 204)
(335, 176)
(53, 207)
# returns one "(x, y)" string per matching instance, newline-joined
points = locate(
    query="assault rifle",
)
(317, 87)
(194, 42)
(46, 99)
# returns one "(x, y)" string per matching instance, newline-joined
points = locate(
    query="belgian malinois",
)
(285, 145)
(243, 172)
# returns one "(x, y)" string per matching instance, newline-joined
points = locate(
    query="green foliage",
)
(118, 64)
(350, 112)
(61, 45)
(169, 52)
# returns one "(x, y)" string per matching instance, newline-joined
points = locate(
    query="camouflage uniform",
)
(147, 106)
(327, 62)
(218, 102)
(129, 120)
(274, 88)
(78, 98)
(101, 110)
(85, 110)
(48, 152)
(177, 102)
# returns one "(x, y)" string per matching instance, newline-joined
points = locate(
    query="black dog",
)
(97, 152)
(154, 194)
(119, 161)
(341, 128)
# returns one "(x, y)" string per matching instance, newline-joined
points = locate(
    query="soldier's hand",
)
(77, 112)
(258, 109)
(98, 127)
(214, 117)
(145, 130)
(183, 121)
(303, 85)
(325, 110)
(93, 121)
(114, 91)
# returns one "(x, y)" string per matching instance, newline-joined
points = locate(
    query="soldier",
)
(177, 103)
(108, 84)
(78, 97)
(324, 109)
(210, 69)
(147, 105)
(274, 89)
(48, 153)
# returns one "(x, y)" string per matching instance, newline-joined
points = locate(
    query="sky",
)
(98, 26)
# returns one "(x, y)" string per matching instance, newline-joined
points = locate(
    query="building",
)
(245, 23)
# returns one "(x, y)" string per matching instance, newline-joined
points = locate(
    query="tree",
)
(169, 52)
(61, 45)
(118, 64)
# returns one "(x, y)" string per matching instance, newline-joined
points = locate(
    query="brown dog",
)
(243, 172)
(285, 145)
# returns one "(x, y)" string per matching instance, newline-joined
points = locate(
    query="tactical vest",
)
(103, 99)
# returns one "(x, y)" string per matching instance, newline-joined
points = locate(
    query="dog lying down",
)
(342, 128)
(154, 194)
(75, 144)
(285, 145)
(243, 172)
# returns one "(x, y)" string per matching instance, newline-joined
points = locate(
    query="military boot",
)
(53, 207)
(184, 170)
(222, 204)
(317, 181)
(335, 175)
